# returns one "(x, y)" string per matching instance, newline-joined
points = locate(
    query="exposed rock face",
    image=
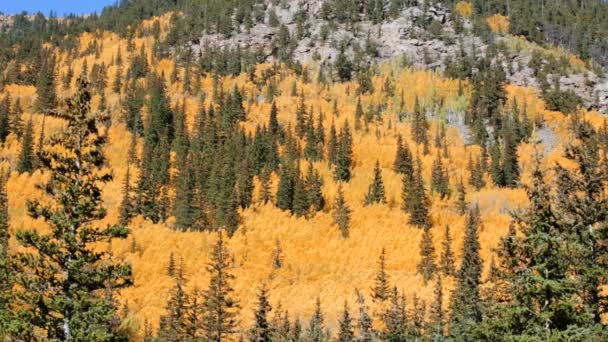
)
(398, 38)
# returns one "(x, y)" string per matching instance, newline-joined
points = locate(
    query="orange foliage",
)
(317, 260)
(464, 8)
(498, 23)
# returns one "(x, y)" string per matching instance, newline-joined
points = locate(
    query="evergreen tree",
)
(466, 305)
(440, 181)
(16, 124)
(418, 318)
(26, 156)
(5, 126)
(59, 285)
(341, 213)
(344, 156)
(313, 184)
(447, 263)
(332, 146)
(414, 197)
(403, 160)
(420, 125)
(426, 267)
(375, 193)
(462, 204)
(395, 318)
(366, 330)
(346, 333)
(219, 308)
(381, 289)
(437, 314)
(126, 204)
(476, 178)
(285, 192)
(45, 85)
(315, 332)
(131, 108)
(173, 325)
(261, 331)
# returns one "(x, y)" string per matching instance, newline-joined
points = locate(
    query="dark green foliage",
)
(395, 318)
(286, 190)
(466, 304)
(381, 289)
(127, 207)
(437, 319)
(415, 201)
(27, 159)
(476, 178)
(346, 333)
(219, 307)
(158, 137)
(344, 155)
(66, 298)
(420, 125)
(366, 329)
(440, 182)
(261, 330)
(315, 332)
(447, 260)
(45, 85)
(332, 145)
(131, 107)
(427, 266)
(174, 325)
(462, 204)
(5, 115)
(375, 193)
(341, 213)
(403, 160)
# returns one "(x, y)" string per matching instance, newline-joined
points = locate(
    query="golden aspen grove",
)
(317, 261)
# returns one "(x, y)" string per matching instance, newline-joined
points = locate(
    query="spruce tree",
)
(313, 184)
(437, 319)
(420, 125)
(45, 85)
(403, 160)
(462, 204)
(466, 304)
(447, 262)
(415, 201)
(395, 318)
(427, 266)
(60, 275)
(261, 330)
(332, 145)
(126, 204)
(341, 213)
(375, 193)
(344, 156)
(381, 288)
(440, 182)
(346, 333)
(366, 330)
(5, 113)
(26, 156)
(315, 332)
(173, 325)
(220, 309)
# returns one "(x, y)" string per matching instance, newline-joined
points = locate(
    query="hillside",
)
(195, 149)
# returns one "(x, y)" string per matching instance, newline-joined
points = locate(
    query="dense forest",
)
(155, 189)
